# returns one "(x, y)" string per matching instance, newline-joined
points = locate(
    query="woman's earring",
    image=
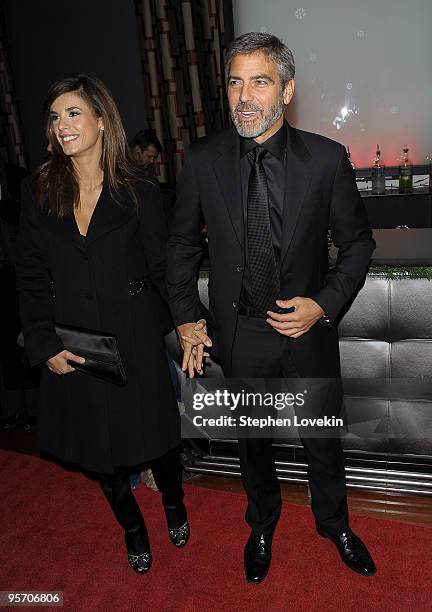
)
(102, 129)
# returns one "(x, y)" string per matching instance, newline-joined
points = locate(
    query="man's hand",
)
(193, 337)
(294, 324)
(59, 363)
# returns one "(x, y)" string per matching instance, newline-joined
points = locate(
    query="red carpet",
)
(57, 533)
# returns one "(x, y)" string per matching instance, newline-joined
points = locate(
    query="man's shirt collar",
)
(276, 144)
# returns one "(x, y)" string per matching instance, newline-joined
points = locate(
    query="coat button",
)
(234, 304)
(239, 269)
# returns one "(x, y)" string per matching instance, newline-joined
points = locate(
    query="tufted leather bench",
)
(386, 361)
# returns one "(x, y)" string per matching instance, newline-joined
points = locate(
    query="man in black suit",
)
(268, 194)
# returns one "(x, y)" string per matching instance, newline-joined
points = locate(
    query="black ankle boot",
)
(138, 547)
(178, 526)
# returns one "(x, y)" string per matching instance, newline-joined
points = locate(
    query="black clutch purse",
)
(100, 351)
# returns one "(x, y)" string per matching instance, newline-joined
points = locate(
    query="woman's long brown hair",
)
(56, 180)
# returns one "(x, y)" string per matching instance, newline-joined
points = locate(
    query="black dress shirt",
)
(274, 164)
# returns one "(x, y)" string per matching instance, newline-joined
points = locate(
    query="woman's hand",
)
(193, 337)
(59, 363)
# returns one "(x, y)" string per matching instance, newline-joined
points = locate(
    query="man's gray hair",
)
(268, 44)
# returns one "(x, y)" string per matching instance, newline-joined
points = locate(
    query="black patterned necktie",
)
(262, 263)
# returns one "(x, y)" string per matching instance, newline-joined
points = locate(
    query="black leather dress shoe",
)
(352, 551)
(138, 548)
(178, 526)
(257, 557)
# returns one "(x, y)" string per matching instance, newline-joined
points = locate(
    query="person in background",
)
(91, 254)
(146, 148)
(19, 383)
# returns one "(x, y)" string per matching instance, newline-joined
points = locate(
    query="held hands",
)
(294, 324)
(193, 337)
(59, 363)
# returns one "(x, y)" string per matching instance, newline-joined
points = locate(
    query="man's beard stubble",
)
(270, 116)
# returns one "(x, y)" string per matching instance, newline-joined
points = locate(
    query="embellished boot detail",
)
(140, 563)
(180, 536)
(137, 540)
(178, 526)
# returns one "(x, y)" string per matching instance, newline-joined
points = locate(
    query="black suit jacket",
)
(320, 193)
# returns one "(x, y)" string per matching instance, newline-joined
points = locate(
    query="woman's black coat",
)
(86, 282)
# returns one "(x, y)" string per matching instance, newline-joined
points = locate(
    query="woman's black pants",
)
(167, 473)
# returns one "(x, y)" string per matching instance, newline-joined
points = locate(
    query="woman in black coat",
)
(92, 255)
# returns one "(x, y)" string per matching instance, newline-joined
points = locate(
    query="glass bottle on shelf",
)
(405, 173)
(349, 157)
(378, 174)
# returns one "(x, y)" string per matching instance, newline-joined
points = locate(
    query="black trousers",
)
(167, 473)
(261, 352)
